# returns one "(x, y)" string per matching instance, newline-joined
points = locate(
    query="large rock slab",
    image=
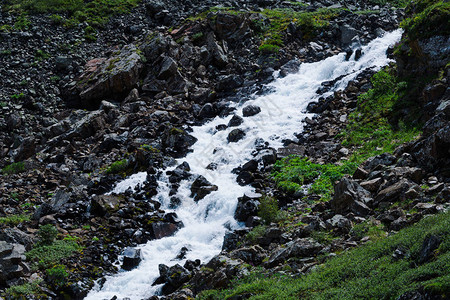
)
(105, 78)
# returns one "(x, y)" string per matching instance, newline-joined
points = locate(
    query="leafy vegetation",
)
(72, 12)
(48, 251)
(428, 18)
(14, 220)
(256, 233)
(24, 291)
(14, 168)
(118, 167)
(57, 276)
(370, 127)
(292, 172)
(268, 210)
(368, 272)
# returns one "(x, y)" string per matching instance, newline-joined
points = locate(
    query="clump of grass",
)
(57, 276)
(268, 210)
(45, 256)
(14, 168)
(368, 272)
(256, 233)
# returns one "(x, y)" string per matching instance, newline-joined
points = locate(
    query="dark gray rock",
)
(251, 110)
(201, 187)
(235, 121)
(304, 247)
(168, 68)
(350, 196)
(429, 245)
(235, 135)
(131, 258)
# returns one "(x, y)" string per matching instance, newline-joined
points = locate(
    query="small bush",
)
(57, 276)
(14, 168)
(47, 234)
(47, 255)
(268, 209)
(117, 167)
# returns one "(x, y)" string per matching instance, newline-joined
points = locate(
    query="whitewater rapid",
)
(206, 221)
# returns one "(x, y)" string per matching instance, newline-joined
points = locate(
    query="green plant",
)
(268, 209)
(17, 96)
(14, 168)
(22, 22)
(41, 55)
(14, 220)
(47, 234)
(24, 291)
(57, 276)
(46, 255)
(256, 233)
(117, 167)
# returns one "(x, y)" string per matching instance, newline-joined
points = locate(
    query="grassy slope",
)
(368, 272)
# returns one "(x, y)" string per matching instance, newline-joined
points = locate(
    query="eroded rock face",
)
(106, 78)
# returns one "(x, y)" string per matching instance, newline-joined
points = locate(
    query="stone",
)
(201, 187)
(394, 192)
(251, 110)
(372, 185)
(164, 229)
(168, 68)
(267, 156)
(340, 223)
(235, 135)
(235, 121)
(304, 247)
(246, 208)
(360, 173)
(347, 34)
(207, 111)
(429, 245)
(131, 258)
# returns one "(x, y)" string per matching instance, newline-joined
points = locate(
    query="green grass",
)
(376, 126)
(72, 12)
(14, 220)
(368, 272)
(292, 172)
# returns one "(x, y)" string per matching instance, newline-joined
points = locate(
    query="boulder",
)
(235, 135)
(105, 78)
(247, 206)
(350, 196)
(235, 121)
(251, 110)
(304, 247)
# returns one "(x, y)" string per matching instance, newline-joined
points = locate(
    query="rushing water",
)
(282, 112)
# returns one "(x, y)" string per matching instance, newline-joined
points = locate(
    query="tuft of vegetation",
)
(48, 251)
(292, 172)
(118, 167)
(268, 210)
(24, 291)
(14, 168)
(256, 233)
(14, 220)
(57, 276)
(368, 272)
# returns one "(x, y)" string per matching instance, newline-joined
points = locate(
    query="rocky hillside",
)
(94, 91)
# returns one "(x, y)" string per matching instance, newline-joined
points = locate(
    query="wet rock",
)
(267, 156)
(164, 229)
(104, 204)
(251, 110)
(131, 258)
(235, 121)
(201, 187)
(177, 142)
(245, 178)
(207, 111)
(172, 277)
(247, 206)
(235, 135)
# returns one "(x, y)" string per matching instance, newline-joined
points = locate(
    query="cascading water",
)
(282, 112)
